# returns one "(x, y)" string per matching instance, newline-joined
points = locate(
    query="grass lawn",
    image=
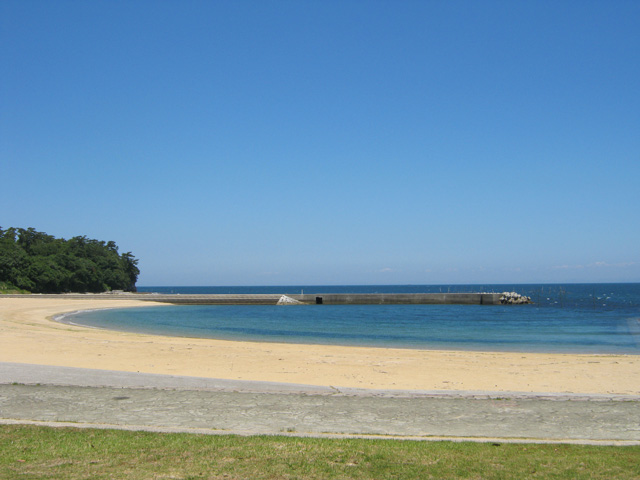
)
(67, 453)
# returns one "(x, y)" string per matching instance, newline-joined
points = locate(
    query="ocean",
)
(571, 318)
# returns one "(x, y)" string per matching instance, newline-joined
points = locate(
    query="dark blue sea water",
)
(573, 318)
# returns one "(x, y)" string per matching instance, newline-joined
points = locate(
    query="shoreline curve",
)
(28, 334)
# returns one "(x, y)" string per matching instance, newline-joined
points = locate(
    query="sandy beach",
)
(28, 334)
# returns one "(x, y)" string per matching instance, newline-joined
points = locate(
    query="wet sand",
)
(29, 335)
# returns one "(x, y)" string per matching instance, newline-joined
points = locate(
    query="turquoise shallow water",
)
(590, 318)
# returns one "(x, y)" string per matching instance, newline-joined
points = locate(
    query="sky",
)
(329, 142)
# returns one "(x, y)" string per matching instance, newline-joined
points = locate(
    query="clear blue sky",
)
(329, 142)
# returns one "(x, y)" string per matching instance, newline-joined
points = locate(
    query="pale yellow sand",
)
(28, 335)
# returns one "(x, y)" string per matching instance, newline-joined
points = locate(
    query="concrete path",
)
(105, 399)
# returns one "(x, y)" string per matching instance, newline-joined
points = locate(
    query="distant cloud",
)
(385, 270)
(566, 267)
(594, 265)
(621, 264)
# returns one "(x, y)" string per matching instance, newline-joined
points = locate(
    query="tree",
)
(41, 263)
(130, 266)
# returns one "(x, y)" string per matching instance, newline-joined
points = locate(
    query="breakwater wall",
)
(400, 298)
(313, 299)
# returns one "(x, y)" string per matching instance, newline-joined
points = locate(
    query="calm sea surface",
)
(572, 318)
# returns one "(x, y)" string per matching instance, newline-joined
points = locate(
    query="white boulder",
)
(284, 300)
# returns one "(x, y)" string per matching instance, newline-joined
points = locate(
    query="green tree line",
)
(41, 263)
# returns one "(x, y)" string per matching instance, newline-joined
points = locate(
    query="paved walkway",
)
(105, 399)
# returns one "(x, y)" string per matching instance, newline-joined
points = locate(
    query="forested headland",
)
(39, 263)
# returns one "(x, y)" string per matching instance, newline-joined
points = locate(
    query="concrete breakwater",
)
(337, 299)
(308, 299)
(400, 298)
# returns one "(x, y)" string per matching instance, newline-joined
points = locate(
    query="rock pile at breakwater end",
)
(513, 298)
